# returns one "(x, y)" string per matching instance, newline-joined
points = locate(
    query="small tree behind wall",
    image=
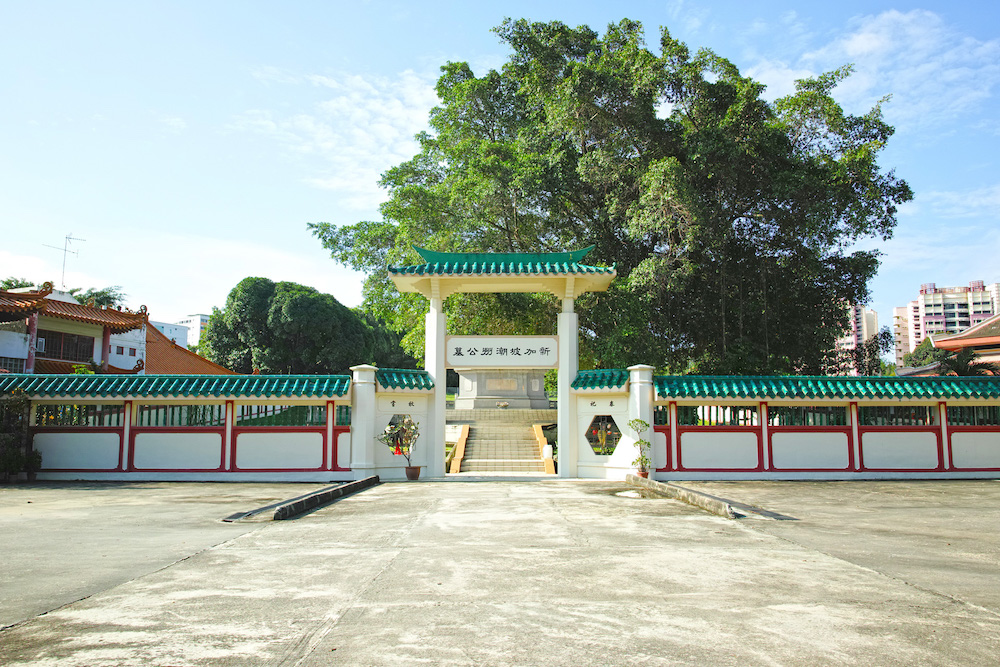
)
(14, 455)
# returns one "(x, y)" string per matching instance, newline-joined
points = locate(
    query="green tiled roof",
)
(399, 378)
(551, 263)
(119, 386)
(764, 387)
(611, 378)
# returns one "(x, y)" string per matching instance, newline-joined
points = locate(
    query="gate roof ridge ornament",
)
(559, 273)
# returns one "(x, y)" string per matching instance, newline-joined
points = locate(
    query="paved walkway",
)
(508, 573)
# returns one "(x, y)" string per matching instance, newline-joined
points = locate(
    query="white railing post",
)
(943, 419)
(855, 416)
(363, 421)
(765, 458)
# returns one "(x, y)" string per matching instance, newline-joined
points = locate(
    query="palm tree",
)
(964, 363)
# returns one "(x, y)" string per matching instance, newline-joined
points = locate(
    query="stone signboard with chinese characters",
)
(401, 403)
(502, 351)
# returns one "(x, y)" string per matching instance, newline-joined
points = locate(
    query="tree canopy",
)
(731, 220)
(285, 327)
(106, 297)
(924, 354)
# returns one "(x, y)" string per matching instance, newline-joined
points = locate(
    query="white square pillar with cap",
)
(433, 434)
(569, 361)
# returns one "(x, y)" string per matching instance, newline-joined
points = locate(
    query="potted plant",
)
(642, 462)
(400, 436)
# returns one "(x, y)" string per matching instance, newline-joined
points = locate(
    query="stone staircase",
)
(501, 440)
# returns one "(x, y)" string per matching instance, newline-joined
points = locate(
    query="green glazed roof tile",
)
(552, 263)
(614, 378)
(118, 386)
(401, 378)
(840, 387)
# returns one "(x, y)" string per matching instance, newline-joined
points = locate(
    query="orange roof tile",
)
(56, 367)
(117, 320)
(19, 304)
(164, 357)
(14, 305)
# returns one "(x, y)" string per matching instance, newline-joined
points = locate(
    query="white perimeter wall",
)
(600, 466)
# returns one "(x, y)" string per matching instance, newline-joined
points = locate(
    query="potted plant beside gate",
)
(642, 462)
(400, 436)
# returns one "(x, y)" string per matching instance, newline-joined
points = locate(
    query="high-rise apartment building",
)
(900, 333)
(196, 325)
(943, 309)
(863, 325)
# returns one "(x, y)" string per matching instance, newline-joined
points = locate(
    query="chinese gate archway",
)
(559, 273)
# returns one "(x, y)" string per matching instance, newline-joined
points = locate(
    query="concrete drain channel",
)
(729, 509)
(293, 507)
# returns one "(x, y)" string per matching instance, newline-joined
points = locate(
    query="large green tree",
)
(285, 327)
(924, 354)
(730, 219)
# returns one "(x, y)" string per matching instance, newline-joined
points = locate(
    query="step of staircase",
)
(501, 441)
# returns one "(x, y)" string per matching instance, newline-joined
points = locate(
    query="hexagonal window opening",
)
(603, 435)
(395, 421)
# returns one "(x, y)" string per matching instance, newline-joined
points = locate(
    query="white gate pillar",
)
(363, 422)
(640, 406)
(434, 361)
(569, 362)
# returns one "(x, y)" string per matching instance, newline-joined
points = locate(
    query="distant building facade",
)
(195, 325)
(862, 326)
(900, 333)
(939, 310)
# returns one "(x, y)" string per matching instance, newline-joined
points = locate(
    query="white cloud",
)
(174, 123)
(970, 203)
(933, 72)
(363, 127)
(778, 76)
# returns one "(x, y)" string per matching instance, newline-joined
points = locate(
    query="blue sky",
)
(189, 143)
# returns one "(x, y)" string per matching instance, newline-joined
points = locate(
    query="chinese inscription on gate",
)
(503, 351)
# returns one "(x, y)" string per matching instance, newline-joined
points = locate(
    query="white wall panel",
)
(899, 451)
(975, 450)
(343, 449)
(78, 451)
(723, 450)
(279, 450)
(177, 451)
(814, 451)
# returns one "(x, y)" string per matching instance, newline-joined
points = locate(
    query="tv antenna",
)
(66, 251)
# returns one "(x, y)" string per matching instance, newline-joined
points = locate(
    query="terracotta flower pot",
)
(412, 472)
(643, 473)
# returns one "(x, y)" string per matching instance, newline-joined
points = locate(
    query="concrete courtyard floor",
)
(501, 573)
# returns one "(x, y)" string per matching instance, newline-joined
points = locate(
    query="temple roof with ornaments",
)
(15, 305)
